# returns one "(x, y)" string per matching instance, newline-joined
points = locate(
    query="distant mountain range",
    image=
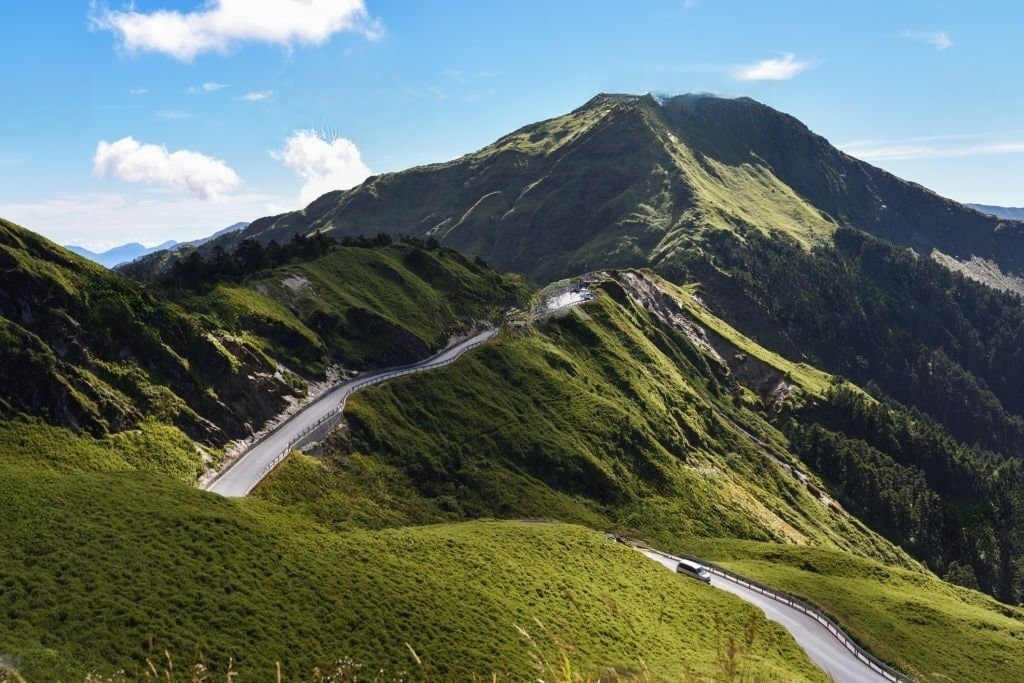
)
(1008, 212)
(119, 254)
(126, 253)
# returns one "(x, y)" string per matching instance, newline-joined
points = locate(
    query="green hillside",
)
(363, 303)
(626, 414)
(160, 366)
(158, 567)
(609, 415)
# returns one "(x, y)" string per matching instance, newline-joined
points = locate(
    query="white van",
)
(694, 570)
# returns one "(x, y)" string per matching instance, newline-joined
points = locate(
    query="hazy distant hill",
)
(120, 254)
(127, 253)
(1008, 212)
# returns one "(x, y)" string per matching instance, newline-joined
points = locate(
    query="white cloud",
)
(324, 165)
(130, 161)
(172, 114)
(138, 91)
(940, 40)
(778, 69)
(218, 25)
(258, 96)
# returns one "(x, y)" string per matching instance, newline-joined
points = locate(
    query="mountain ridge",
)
(630, 180)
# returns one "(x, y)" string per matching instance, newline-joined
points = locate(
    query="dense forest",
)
(935, 463)
(892, 321)
(955, 507)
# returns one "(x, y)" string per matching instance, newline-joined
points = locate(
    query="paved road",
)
(820, 645)
(241, 477)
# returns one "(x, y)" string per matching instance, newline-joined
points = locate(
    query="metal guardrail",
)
(877, 665)
(335, 414)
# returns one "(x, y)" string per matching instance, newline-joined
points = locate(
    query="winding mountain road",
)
(244, 474)
(817, 641)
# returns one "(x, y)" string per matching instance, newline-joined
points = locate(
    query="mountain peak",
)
(636, 180)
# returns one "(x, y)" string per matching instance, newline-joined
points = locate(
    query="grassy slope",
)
(362, 306)
(153, 447)
(540, 404)
(938, 631)
(808, 377)
(137, 374)
(104, 570)
(600, 416)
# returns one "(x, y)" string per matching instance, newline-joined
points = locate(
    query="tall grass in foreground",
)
(734, 664)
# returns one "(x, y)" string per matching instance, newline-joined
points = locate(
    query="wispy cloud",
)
(209, 86)
(937, 147)
(477, 95)
(220, 25)
(464, 77)
(138, 91)
(780, 68)
(258, 96)
(172, 114)
(940, 40)
(426, 92)
(134, 162)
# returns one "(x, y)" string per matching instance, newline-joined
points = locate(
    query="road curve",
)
(242, 476)
(819, 644)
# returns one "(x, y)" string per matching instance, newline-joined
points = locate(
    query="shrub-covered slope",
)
(102, 572)
(91, 350)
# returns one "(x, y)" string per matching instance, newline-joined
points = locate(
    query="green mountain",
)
(768, 377)
(634, 180)
(647, 413)
(211, 358)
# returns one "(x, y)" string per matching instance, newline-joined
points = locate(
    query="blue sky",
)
(168, 119)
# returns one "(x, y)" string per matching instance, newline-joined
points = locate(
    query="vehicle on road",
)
(694, 570)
